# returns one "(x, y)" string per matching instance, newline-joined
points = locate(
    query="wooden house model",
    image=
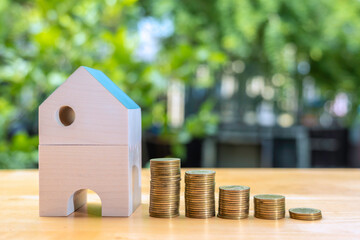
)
(89, 138)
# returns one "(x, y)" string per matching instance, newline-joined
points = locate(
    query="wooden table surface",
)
(335, 191)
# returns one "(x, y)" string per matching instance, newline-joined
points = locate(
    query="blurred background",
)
(221, 83)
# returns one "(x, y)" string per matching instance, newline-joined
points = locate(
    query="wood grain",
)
(335, 191)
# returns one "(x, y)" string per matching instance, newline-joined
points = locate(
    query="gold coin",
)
(307, 214)
(269, 206)
(234, 202)
(200, 193)
(164, 187)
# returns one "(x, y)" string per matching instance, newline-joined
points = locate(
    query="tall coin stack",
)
(269, 206)
(165, 187)
(200, 194)
(234, 202)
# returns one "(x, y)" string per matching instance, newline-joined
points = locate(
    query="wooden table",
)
(335, 191)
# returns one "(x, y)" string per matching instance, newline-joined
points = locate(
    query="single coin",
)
(269, 197)
(234, 188)
(304, 211)
(164, 159)
(200, 172)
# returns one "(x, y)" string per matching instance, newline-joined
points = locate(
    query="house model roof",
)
(112, 88)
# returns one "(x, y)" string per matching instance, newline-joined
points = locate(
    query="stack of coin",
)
(165, 187)
(269, 206)
(308, 214)
(234, 202)
(200, 194)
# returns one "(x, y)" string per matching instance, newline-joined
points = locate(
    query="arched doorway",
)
(84, 202)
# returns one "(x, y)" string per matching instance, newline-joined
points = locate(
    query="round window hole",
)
(66, 115)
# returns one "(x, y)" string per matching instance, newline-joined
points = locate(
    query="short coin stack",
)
(200, 194)
(165, 187)
(234, 202)
(308, 214)
(269, 206)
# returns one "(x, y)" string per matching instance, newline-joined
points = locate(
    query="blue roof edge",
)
(112, 88)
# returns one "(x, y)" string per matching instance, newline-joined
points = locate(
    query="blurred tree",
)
(42, 42)
(284, 42)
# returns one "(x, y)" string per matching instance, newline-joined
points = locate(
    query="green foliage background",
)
(43, 41)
